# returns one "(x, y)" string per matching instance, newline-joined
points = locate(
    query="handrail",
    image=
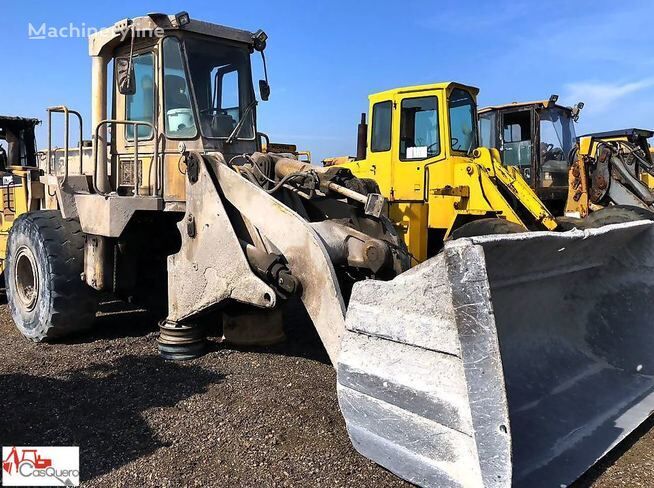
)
(66, 111)
(155, 157)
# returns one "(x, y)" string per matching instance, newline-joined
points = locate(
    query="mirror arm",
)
(265, 67)
(264, 86)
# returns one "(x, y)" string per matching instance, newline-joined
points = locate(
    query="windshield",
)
(220, 75)
(557, 134)
(462, 121)
(487, 130)
(557, 138)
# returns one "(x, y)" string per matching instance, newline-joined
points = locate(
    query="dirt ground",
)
(261, 417)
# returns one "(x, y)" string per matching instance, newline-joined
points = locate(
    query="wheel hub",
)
(26, 278)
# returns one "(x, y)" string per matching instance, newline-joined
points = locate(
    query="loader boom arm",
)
(510, 179)
(610, 168)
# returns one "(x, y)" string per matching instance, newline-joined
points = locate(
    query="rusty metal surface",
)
(538, 104)
(346, 245)
(181, 342)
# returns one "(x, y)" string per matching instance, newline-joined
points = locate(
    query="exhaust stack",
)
(362, 134)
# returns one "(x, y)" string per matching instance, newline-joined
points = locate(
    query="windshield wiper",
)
(469, 148)
(241, 122)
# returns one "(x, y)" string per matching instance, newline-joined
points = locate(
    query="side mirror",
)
(576, 110)
(125, 76)
(264, 90)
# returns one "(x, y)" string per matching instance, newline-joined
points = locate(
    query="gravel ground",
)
(260, 417)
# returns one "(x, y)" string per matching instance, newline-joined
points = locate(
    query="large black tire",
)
(488, 226)
(45, 259)
(618, 214)
(571, 223)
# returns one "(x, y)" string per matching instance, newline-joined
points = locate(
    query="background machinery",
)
(423, 154)
(573, 176)
(20, 190)
(611, 169)
(516, 359)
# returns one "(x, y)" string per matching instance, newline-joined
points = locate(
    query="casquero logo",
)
(40, 466)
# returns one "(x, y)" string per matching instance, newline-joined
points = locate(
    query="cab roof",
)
(537, 103)
(113, 36)
(418, 88)
(18, 121)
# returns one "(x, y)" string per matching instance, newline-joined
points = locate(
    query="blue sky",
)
(324, 58)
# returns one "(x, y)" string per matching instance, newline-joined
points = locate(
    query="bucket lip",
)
(573, 234)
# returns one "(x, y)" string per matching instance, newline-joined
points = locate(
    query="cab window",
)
(178, 118)
(140, 106)
(221, 79)
(516, 128)
(381, 126)
(463, 133)
(487, 132)
(419, 133)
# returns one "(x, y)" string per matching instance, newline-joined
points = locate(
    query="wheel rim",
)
(26, 278)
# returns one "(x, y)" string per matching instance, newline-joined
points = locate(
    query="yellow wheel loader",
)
(422, 152)
(20, 189)
(606, 176)
(516, 359)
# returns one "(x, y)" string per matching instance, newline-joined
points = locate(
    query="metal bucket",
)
(514, 360)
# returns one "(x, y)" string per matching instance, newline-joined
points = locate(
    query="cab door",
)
(417, 142)
(517, 141)
(128, 172)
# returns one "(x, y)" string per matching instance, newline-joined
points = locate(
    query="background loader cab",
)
(422, 149)
(20, 190)
(590, 176)
(17, 141)
(537, 138)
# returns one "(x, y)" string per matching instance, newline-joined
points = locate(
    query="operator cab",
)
(178, 85)
(536, 137)
(411, 129)
(17, 142)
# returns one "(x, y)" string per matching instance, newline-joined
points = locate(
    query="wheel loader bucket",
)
(514, 360)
